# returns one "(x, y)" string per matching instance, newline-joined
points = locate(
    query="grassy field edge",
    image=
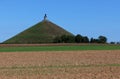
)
(59, 48)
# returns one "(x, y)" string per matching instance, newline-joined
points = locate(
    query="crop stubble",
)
(60, 65)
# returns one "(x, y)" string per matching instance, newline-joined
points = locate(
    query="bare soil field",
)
(93, 64)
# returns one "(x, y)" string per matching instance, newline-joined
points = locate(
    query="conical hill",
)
(43, 32)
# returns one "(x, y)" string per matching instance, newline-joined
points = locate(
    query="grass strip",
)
(59, 48)
(58, 66)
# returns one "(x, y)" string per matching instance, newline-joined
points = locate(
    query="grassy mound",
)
(43, 32)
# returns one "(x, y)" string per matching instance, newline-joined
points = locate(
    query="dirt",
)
(60, 65)
(49, 44)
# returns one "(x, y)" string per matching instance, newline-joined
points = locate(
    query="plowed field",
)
(91, 64)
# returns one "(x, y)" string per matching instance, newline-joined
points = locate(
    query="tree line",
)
(79, 39)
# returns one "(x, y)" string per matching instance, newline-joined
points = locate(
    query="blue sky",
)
(90, 18)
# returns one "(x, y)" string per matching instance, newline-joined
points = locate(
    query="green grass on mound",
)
(43, 32)
(60, 48)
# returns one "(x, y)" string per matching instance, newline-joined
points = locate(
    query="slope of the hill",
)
(43, 32)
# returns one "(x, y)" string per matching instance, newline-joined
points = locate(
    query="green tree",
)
(91, 40)
(102, 39)
(64, 39)
(78, 38)
(85, 39)
(67, 39)
(70, 39)
(57, 39)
